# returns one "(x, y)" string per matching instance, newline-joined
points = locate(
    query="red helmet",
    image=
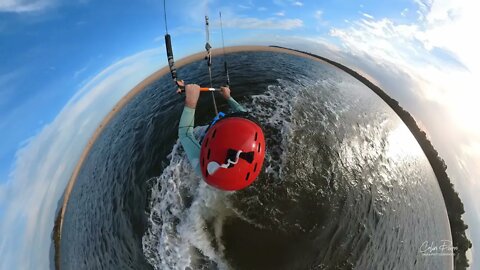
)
(232, 153)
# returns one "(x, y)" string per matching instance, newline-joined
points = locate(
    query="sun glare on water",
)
(401, 143)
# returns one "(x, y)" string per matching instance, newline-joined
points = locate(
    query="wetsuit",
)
(188, 140)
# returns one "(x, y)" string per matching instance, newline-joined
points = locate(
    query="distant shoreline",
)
(57, 230)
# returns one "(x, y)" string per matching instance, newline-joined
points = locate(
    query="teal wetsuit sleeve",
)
(235, 106)
(187, 139)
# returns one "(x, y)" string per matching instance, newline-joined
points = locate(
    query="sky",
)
(63, 66)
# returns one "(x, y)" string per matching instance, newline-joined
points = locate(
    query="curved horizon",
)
(66, 65)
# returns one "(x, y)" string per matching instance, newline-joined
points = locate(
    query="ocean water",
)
(344, 185)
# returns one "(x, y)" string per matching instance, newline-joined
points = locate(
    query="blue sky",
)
(64, 66)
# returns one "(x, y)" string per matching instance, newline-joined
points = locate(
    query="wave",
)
(186, 215)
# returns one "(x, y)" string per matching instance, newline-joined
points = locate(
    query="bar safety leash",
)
(208, 57)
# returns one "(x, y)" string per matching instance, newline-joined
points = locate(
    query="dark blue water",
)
(345, 185)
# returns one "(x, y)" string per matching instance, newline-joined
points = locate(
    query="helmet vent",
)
(206, 142)
(248, 175)
(214, 133)
(208, 155)
(256, 133)
(255, 167)
(258, 150)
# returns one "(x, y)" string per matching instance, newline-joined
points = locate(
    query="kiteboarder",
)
(231, 153)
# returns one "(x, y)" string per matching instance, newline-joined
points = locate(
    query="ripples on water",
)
(344, 185)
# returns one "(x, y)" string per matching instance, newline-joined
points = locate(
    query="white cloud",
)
(232, 18)
(368, 16)
(321, 24)
(24, 5)
(79, 72)
(159, 39)
(194, 13)
(423, 5)
(280, 13)
(404, 12)
(269, 23)
(7, 91)
(284, 3)
(184, 30)
(447, 26)
(44, 165)
(246, 5)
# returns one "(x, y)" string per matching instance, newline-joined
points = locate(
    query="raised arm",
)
(185, 127)
(225, 91)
